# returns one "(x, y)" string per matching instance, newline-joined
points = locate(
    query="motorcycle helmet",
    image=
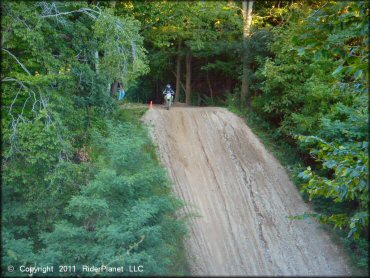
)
(168, 86)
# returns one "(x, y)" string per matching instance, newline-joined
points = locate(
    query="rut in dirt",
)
(243, 197)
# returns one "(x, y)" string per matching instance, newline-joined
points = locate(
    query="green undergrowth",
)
(132, 113)
(120, 213)
(130, 150)
(291, 158)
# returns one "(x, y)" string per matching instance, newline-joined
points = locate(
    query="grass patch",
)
(130, 113)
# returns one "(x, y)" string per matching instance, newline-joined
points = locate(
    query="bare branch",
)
(311, 15)
(136, 244)
(23, 66)
(31, 93)
(11, 106)
(86, 11)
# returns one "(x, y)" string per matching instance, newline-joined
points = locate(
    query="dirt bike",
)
(168, 98)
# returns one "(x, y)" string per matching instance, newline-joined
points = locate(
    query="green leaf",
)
(358, 74)
(301, 51)
(338, 70)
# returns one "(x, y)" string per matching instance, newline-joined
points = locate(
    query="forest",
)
(81, 180)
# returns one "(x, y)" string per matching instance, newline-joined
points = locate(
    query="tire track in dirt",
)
(243, 197)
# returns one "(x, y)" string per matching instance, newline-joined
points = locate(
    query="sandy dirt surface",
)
(243, 197)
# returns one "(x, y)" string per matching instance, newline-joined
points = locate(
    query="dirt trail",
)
(243, 196)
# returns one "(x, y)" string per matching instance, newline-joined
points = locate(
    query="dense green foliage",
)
(79, 186)
(73, 172)
(314, 89)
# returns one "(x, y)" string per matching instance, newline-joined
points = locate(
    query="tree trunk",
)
(188, 70)
(109, 88)
(188, 78)
(247, 22)
(178, 72)
(88, 123)
(156, 89)
(181, 84)
(97, 62)
(210, 87)
(228, 84)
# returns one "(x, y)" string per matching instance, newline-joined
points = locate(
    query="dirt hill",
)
(243, 197)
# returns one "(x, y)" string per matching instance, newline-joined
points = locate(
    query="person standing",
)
(122, 92)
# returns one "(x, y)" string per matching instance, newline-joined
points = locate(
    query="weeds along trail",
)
(243, 197)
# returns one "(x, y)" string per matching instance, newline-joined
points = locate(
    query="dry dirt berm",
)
(243, 196)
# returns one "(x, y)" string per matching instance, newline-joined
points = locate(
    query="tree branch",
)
(48, 8)
(23, 66)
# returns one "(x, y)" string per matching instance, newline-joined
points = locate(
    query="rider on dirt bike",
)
(168, 90)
